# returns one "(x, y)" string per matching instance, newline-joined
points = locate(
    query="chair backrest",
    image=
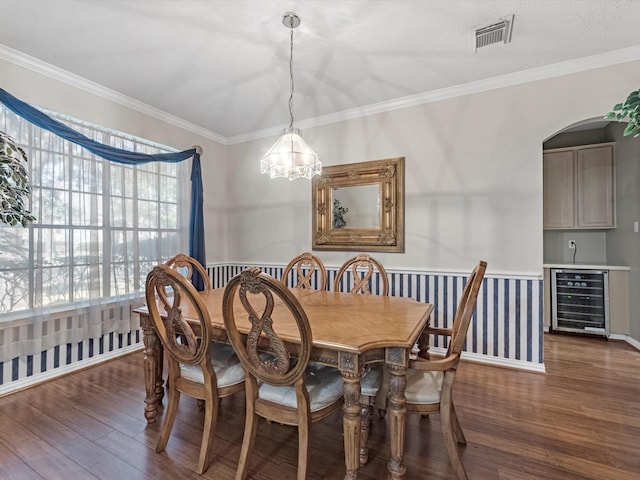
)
(263, 354)
(361, 280)
(466, 307)
(306, 264)
(187, 266)
(184, 342)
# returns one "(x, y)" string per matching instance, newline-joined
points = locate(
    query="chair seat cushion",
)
(423, 387)
(324, 385)
(225, 363)
(371, 381)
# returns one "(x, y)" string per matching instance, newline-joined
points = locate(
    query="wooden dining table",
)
(349, 332)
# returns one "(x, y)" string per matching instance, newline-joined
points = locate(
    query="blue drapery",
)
(196, 220)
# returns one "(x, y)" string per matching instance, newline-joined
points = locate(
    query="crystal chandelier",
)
(291, 157)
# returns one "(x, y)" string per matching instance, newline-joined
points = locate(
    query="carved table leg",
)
(365, 421)
(159, 362)
(152, 372)
(423, 344)
(351, 425)
(397, 413)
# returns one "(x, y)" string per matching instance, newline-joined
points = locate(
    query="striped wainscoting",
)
(507, 327)
(72, 343)
(27, 370)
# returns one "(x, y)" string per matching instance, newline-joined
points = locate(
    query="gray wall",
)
(623, 244)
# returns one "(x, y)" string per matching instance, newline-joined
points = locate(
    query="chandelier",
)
(291, 157)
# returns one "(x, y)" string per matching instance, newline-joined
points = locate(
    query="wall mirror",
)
(359, 206)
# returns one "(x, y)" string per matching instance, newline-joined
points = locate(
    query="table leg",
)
(159, 370)
(397, 414)
(152, 369)
(351, 425)
(423, 344)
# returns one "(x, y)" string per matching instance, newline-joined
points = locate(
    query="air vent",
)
(499, 32)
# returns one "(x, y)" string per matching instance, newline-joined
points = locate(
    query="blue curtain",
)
(196, 221)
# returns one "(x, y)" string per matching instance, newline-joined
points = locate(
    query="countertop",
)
(586, 266)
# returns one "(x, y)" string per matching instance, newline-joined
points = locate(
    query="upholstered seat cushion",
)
(423, 387)
(324, 385)
(371, 381)
(225, 363)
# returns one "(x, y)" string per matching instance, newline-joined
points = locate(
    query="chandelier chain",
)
(291, 75)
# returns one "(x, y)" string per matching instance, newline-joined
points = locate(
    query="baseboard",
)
(614, 336)
(630, 340)
(495, 361)
(65, 370)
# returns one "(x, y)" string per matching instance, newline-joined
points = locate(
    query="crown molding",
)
(51, 71)
(540, 73)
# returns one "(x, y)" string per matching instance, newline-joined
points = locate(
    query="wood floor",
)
(581, 420)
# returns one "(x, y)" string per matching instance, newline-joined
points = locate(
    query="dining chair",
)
(198, 367)
(429, 387)
(187, 265)
(362, 270)
(430, 380)
(305, 266)
(281, 385)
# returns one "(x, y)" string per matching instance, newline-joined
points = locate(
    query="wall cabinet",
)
(579, 187)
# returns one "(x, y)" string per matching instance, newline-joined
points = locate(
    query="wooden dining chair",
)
(305, 267)
(430, 380)
(362, 271)
(362, 268)
(281, 385)
(198, 367)
(187, 266)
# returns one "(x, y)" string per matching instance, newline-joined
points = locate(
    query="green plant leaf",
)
(630, 109)
(14, 183)
(631, 129)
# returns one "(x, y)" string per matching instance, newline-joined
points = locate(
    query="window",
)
(101, 226)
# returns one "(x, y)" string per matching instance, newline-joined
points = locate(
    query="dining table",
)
(350, 332)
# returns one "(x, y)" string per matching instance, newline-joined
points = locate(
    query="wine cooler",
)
(580, 301)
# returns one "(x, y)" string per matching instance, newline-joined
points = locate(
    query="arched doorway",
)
(614, 246)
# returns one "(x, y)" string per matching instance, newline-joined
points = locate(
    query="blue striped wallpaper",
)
(22, 371)
(507, 327)
(508, 323)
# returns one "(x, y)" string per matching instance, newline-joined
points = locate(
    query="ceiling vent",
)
(499, 32)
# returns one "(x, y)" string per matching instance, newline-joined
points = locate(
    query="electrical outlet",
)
(572, 244)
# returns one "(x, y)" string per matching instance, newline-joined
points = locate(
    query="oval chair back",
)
(363, 268)
(305, 267)
(466, 307)
(187, 266)
(257, 292)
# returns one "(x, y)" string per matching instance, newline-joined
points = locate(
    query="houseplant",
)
(14, 183)
(629, 109)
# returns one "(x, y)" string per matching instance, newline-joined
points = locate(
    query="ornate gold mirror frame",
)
(359, 206)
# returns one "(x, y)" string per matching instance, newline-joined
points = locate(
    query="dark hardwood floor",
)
(580, 420)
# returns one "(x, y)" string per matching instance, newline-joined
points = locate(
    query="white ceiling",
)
(223, 65)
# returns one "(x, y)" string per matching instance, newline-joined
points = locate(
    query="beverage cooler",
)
(580, 301)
